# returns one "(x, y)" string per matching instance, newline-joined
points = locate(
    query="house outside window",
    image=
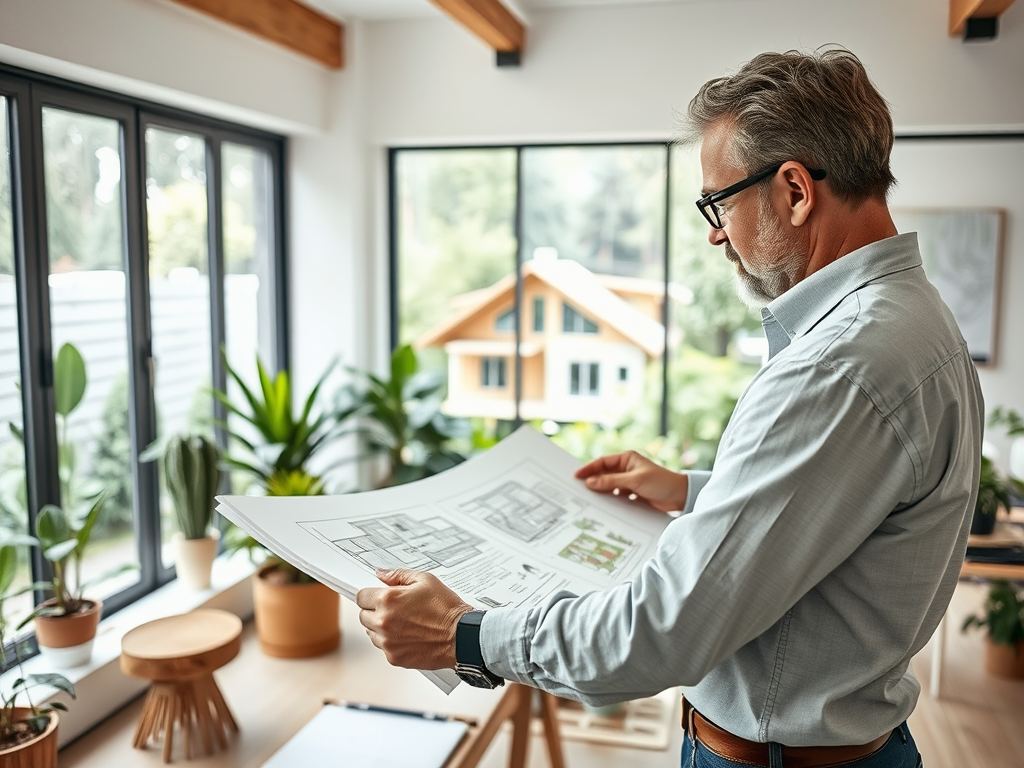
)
(492, 372)
(575, 322)
(538, 314)
(584, 378)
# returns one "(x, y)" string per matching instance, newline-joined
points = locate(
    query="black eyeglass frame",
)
(706, 205)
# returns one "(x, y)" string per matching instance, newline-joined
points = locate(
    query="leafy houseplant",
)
(296, 616)
(28, 734)
(1004, 619)
(404, 418)
(190, 467)
(993, 493)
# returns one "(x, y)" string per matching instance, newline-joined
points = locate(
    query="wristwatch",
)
(469, 661)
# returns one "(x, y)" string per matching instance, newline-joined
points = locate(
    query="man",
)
(819, 555)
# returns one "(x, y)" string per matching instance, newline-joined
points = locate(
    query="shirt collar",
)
(801, 307)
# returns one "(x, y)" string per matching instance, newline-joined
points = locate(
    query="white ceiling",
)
(396, 9)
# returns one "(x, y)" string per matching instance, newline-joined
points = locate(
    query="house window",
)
(574, 322)
(584, 378)
(506, 322)
(106, 170)
(538, 314)
(623, 373)
(492, 372)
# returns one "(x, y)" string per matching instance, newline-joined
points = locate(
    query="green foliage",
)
(993, 490)
(38, 717)
(191, 473)
(1008, 418)
(1004, 615)
(404, 418)
(277, 460)
(63, 540)
(286, 441)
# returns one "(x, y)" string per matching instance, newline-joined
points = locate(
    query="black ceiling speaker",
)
(981, 29)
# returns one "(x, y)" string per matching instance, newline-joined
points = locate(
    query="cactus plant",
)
(191, 473)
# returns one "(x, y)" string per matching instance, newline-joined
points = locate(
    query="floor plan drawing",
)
(401, 541)
(526, 513)
(592, 552)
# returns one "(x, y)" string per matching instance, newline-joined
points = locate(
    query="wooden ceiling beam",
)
(962, 10)
(489, 20)
(285, 22)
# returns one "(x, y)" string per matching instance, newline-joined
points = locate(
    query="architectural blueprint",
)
(507, 528)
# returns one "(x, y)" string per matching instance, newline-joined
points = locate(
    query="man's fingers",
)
(615, 462)
(369, 598)
(608, 483)
(398, 577)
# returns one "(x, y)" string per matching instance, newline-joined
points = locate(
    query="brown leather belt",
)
(731, 747)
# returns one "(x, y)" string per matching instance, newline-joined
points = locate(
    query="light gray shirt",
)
(820, 554)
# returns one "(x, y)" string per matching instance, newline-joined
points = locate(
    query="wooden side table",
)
(179, 654)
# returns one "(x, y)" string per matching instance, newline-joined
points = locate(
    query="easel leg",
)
(521, 719)
(552, 731)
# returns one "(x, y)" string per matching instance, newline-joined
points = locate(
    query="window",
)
(574, 322)
(584, 378)
(538, 314)
(610, 232)
(492, 372)
(126, 261)
(506, 322)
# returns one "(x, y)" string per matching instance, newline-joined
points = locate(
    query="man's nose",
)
(717, 236)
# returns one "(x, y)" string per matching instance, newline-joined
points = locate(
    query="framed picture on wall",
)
(961, 251)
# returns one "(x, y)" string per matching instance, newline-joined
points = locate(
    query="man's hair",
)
(817, 108)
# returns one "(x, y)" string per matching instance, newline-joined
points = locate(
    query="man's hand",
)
(635, 476)
(412, 619)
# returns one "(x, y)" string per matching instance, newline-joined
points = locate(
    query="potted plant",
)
(190, 465)
(993, 493)
(28, 731)
(296, 616)
(403, 418)
(66, 623)
(1004, 618)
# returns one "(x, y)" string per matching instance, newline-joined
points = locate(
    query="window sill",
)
(100, 686)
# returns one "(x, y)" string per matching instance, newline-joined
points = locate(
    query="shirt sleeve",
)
(806, 470)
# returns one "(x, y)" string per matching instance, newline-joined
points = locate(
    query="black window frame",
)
(27, 94)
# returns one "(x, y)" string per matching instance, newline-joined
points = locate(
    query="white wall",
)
(588, 73)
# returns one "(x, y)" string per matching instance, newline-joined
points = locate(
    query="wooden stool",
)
(179, 654)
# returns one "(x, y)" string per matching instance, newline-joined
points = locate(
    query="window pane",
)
(249, 303)
(179, 290)
(456, 260)
(716, 343)
(593, 242)
(13, 511)
(83, 169)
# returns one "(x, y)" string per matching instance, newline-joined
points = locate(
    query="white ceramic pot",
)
(193, 559)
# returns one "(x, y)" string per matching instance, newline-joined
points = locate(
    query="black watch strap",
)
(469, 660)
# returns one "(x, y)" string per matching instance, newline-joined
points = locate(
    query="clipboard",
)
(356, 738)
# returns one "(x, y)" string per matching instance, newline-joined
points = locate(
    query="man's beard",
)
(780, 265)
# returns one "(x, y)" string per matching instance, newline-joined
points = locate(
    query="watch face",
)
(475, 677)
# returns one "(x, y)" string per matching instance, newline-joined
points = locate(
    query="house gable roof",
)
(578, 285)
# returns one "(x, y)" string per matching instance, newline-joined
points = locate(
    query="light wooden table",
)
(273, 698)
(1003, 535)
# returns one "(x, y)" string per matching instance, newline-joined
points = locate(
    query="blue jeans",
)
(899, 751)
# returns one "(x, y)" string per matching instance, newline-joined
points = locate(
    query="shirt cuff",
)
(504, 643)
(696, 480)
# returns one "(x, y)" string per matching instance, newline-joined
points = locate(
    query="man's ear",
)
(800, 194)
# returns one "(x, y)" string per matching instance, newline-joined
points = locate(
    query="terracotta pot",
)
(67, 640)
(40, 752)
(295, 621)
(193, 559)
(1005, 660)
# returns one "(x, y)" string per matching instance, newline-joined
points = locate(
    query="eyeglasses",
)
(709, 204)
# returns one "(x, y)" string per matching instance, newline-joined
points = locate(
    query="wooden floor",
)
(978, 721)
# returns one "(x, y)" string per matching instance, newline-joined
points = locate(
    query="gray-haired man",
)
(819, 555)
